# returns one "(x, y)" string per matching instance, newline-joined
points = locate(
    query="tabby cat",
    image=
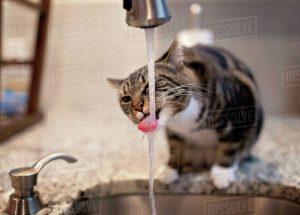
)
(206, 98)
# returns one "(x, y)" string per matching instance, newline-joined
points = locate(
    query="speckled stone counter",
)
(107, 170)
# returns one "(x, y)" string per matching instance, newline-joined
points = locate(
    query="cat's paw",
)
(222, 177)
(167, 175)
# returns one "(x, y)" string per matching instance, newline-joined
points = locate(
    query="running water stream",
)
(151, 79)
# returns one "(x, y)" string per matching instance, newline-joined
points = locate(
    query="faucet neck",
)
(146, 13)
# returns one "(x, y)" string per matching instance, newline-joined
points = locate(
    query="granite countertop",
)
(111, 164)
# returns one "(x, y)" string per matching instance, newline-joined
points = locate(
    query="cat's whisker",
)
(187, 90)
(202, 97)
(178, 102)
(191, 84)
(195, 85)
(143, 137)
(188, 93)
(130, 118)
(195, 88)
(185, 93)
(207, 93)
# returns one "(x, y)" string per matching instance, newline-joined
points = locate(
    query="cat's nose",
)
(139, 106)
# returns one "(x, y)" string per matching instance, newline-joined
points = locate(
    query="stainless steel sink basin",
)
(179, 204)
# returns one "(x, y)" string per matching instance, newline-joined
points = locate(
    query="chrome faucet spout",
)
(146, 13)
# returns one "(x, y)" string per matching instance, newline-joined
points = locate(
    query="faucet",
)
(25, 200)
(146, 13)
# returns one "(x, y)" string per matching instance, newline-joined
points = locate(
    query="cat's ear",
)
(116, 83)
(174, 55)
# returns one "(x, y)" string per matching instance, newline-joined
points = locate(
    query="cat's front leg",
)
(167, 175)
(170, 172)
(223, 171)
(223, 176)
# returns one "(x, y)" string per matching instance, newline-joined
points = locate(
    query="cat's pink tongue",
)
(147, 125)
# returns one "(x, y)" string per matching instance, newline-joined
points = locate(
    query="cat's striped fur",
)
(206, 78)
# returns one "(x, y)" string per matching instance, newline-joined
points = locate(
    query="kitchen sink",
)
(184, 204)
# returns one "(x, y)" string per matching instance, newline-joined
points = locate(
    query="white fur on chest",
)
(184, 124)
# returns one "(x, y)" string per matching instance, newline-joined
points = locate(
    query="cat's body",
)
(206, 98)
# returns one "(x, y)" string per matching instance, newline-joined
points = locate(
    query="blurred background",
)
(89, 41)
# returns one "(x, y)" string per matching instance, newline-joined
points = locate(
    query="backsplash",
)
(85, 49)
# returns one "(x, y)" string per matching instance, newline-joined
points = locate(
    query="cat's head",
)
(170, 94)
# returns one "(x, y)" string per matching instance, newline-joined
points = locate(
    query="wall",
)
(89, 41)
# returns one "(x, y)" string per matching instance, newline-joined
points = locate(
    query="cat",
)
(206, 98)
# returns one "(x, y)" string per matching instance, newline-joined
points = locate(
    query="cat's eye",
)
(126, 99)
